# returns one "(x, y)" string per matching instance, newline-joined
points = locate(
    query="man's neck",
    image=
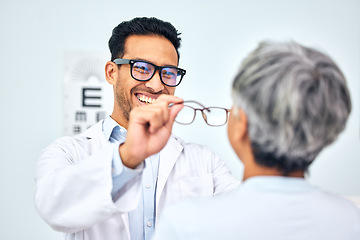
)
(121, 121)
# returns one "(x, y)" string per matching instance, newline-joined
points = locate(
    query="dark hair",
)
(142, 26)
(284, 164)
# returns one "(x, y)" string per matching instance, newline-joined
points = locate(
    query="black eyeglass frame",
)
(202, 112)
(131, 62)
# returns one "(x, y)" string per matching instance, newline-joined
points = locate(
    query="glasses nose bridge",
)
(156, 69)
(202, 113)
(156, 83)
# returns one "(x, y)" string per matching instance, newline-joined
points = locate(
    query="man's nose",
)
(155, 83)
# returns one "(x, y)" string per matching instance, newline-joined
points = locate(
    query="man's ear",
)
(111, 72)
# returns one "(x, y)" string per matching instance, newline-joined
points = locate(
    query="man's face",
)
(130, 93)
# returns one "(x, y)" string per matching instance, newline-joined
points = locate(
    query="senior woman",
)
(290, 102)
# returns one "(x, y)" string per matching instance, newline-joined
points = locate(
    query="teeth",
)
(145, 99)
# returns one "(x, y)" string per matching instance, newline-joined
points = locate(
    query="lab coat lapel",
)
(168, 157)
(95, 131)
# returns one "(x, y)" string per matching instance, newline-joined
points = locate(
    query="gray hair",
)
(296, 101)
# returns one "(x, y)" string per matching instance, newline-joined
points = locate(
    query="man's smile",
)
(146, 98)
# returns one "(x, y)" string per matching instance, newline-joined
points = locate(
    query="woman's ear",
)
(111, 72)
(240, 125)
(237, 132)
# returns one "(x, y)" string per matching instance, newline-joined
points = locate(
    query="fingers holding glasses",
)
(149, 129)
(152, 117)
(157, 114)
(173, 106)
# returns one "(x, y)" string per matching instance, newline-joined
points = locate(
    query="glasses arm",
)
(192, 101)
(119, 61)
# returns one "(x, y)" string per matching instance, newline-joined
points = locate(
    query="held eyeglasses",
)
(213, 116)
(143, 71)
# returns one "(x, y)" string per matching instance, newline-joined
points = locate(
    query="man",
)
(113, 180)
(290, 102)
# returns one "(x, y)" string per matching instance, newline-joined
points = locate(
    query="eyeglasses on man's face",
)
(213, 116)
(143, 71)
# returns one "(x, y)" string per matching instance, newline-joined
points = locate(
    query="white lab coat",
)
(74, 183)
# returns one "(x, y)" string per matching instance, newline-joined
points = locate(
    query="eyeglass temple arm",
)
(121, 61)
(191, 101)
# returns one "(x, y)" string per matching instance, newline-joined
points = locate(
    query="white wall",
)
(216, 36)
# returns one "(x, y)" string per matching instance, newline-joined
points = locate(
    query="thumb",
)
(174, 110)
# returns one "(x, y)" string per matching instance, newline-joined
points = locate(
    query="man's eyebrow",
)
(142, 59)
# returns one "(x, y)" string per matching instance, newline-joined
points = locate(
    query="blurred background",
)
(216, 36)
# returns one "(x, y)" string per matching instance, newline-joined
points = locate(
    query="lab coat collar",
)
(95, 131)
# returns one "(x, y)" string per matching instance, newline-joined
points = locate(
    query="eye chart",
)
(88, 98)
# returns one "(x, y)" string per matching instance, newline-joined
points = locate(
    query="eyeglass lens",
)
(213, 116)
(144, 71)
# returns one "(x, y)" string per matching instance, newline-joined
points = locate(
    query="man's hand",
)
(149, 130)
